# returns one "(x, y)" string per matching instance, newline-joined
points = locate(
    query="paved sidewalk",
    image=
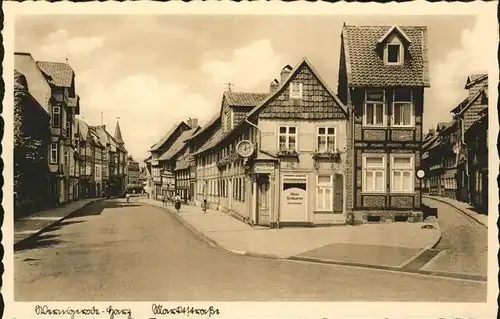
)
(463, 207)
(35, 223)
(390, 245)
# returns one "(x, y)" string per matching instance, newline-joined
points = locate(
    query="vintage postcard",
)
(250, 160)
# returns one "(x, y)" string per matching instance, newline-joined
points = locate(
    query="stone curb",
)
(215, 244)
(390, 268)
(457, 208)
(52, 224)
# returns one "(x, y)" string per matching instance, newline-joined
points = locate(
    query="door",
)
(263, 201)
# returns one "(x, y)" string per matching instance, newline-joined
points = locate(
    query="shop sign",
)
(263, 167)
(294, 199)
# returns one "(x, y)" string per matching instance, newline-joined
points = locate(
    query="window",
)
(324, 193)
(54, 153)
(402, 174)
(394, 55)
(326, 139)
(66, 157)
(287, 138)
(374, 114)
(295, 90)
(374, 173)
(402, 108)
(56, 116)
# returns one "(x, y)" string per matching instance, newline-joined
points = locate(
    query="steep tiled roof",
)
(474, 78)
(178, 145)
(206, 126)
(165, 137)
(59, 74)
(365, 65)
(462, 107)
(285, 83)
(212, 141)
(244, 99)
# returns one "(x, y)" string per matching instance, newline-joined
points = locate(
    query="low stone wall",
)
(361, 217)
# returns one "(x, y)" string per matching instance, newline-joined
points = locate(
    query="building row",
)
(302, 154)
(57, 156)
(456, 152)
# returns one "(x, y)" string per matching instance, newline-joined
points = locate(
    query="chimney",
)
(192, 122)
(274, 86)
(285, 72)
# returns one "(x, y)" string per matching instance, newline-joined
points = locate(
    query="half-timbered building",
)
(382, 76)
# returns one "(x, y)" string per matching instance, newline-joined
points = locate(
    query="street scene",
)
(243, 165)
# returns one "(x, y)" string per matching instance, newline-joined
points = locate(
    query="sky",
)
(152, 71)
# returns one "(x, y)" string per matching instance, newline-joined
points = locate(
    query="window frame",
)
(411, 169)
(323, 188)
(325, 135)
(384, 108)
(299, 96)
(412, 109)
(56, 115)
(287, 137)
(383, 169)
(400, 55)
(56, 149)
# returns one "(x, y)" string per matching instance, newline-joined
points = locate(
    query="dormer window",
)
(393, 44)
(394, 55)
(295, 90)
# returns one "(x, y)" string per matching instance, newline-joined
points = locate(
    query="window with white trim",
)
(402, 174)
(295, 90)
(287, 138)
(54, 151)
(326, 139)
(374, 173)
(56, 116)
(374, 112)
(324, 192)
(402, 108)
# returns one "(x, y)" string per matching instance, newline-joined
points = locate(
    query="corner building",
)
(382, 76)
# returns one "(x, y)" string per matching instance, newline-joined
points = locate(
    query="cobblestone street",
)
(113, 251)
(463, 245)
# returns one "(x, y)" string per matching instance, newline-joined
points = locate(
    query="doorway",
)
(263, 200)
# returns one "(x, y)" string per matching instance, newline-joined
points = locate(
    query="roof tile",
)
(60, 74)
(367, 67)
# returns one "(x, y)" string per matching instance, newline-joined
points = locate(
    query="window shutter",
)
(338, 200)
